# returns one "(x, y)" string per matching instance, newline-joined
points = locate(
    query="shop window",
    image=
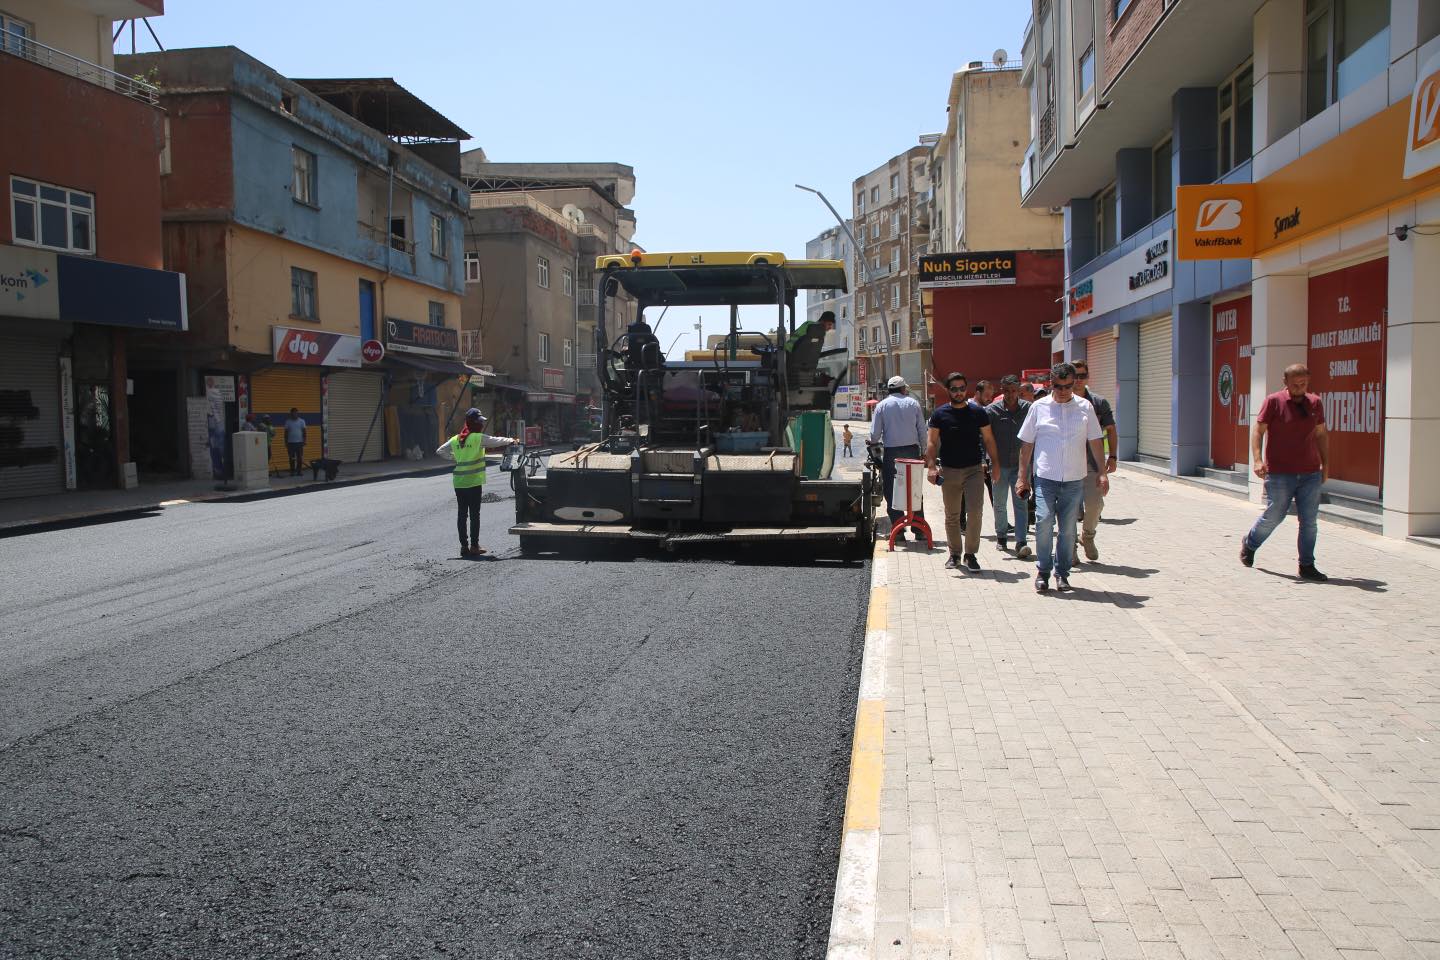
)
(472, 266)
(304, 187)
(1346, 43)
(1161, 179)
(53, 217)
(543, 352)
(542, 272)
(437, 313)
(1236, 112)
(303, 300)
(438, 246)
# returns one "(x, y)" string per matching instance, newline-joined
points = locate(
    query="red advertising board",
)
(314, 348)
(1230, 353)
(1347, 366)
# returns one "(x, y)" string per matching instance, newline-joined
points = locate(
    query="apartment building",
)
(80, 250)
(531, 239)
(1310, 125)
(891, 217)
(834, 244)
(307, 229)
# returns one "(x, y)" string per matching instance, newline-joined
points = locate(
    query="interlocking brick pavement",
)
(1183, 758)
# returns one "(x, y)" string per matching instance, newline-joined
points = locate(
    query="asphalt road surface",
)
(302, 726)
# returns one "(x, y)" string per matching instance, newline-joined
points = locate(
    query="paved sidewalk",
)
(78, 506)
(1181, 758)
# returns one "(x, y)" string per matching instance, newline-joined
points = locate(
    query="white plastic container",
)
(909, 480)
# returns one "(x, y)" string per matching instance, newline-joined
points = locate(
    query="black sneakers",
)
(1002, 543)
(1308, 572)
(1042, 582)
(1062, 582)
(971, 563)
(1247, 556)
(952, 562)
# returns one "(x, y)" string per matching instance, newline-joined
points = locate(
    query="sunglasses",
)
(960, 389)
(1062, 386)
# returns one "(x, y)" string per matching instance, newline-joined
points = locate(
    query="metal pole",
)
(864, 270)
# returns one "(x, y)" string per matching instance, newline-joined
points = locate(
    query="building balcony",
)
(80, 69)
(1047, 128)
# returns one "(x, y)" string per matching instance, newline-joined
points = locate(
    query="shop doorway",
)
(1226, 446)
(155, 422)
(94, 437)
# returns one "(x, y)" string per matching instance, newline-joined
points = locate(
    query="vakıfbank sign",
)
(1422, 135)
(967, 269)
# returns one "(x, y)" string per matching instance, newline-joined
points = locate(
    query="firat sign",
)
(1422, 141)
(314, 348)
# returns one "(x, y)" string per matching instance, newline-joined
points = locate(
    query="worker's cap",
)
(896, 383)
(827, 315)
(474, 414)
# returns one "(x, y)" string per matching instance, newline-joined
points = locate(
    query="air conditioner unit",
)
(1048, 330)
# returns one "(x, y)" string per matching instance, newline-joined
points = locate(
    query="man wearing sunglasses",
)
(1094, 502)
(1054, 438)
(959, 435)
(1294, 463)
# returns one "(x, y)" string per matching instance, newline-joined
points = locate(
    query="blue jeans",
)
(1280, 490)
(1056, 501)
(887, 469)
(1005, 497)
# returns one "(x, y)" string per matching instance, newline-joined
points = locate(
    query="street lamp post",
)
(864, 270)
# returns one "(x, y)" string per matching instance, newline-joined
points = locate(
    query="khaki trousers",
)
(1094, 504)
(965, 484)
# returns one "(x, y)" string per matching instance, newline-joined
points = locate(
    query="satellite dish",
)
(573, 213)
(1000, 56)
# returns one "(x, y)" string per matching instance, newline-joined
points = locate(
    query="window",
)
(472, 266)
(1236, 112)
(844, 313)
(1086, 72)
(542, 271)
(544, 351)
(844, 249)
(895, 332)
(894, 295)
(302, 295)
(52, 217)
(437, 313)
(1105, 216)
(875, 229)
(303, 185)
(875, 336)
(860, 202)
(400, 234)
(894, 185)
(1161, 181)
(1346, 43)
(567, 280)
(438, 247)
(569, 352)
(874, 299)
(895, 257)
(894, 223)
(1120, 7)
(287, 103)
(14, 36)
(860, 338)
(977, 329)
(875, 262)
(874, 194)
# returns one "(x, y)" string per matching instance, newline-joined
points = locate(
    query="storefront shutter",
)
(273, 392)
(1100, 355)
(1154, 390)
(352, 414)
(31, 448)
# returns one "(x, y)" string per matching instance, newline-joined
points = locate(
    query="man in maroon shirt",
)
(1295, 462)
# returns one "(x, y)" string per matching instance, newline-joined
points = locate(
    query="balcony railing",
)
(394, 240)
(1047, 128)
(72, 65)
(470, 348)
(587, 296)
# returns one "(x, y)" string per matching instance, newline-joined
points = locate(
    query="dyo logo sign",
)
(1422, 136)
(1218, 215)
(302, 347)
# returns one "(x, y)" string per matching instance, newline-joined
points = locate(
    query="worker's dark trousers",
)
(887, 471)
(467, 503)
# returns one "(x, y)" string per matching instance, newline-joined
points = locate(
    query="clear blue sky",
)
(720, 108)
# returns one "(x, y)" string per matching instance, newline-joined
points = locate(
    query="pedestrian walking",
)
(959, 433)
(1053, 439)
(1294, 462)
(467, 448)
(1094, 501)
(984, 394)
(847, 437)
(295, 440)
(898, 424)
(1006, 415)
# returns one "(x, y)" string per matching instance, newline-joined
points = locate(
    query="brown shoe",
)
(1090, 552)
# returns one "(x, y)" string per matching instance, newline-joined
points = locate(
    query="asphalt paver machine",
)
(731, 444)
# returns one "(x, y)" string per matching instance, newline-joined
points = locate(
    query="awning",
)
(538, 396)
(456, 368)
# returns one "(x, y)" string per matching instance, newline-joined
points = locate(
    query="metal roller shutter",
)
(1100, 354)
(352, 411)
(273, 392)
(31, 449)
(1155, 379)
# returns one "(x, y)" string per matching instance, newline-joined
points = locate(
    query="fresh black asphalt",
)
(305, 727)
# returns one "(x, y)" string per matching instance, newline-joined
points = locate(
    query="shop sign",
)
(995, 268)
(40, 285)
(552, 378)
(1347, 365)
(1422, 135)
(1141, 273)
(314, 348)
(1215, 221)
(403, 336)
(27, 284)
(372, 351)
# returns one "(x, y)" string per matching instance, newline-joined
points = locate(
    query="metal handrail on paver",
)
(81, 69)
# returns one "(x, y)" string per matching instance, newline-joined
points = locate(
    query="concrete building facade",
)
(834, 244)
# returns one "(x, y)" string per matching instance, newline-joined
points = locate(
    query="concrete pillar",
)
(1279, 327)
(119, 404)
(1279, 44)
(1133, 188)
(1190, 388)
(1081, 244)
(1410, 491)
(1127, 390)
(1194, 135)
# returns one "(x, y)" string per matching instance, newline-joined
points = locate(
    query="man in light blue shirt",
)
(899, 424)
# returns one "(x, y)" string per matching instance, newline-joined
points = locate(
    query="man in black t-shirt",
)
(959, 435)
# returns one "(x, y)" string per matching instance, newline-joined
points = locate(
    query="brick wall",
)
(1126, 37)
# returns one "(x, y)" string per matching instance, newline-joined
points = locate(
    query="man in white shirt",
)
(1053, 439)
